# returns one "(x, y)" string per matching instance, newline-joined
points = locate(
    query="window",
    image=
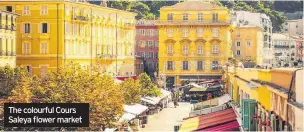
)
(200, 65)
(215, 65)
(185, 32)
(43, 48)
(200, 32)
(151, 55)
(215, 32)
(67, 48)
(200, 17)
(214, 49)
(185, 17)
(170, 33)
(185, 65)
(143, 43)
(238, 44)
(127, 73)
(44, 28)
(67, 27)
(26, 48)
(286, 30)
(169, 65)
(156, 43)
(170, 17)
(156, 55)
(238, 52)
(238, 34)
(29, 69)
(75, 47)
(26, 10)
(199, 50)
(146, 43)
(214, 17)
(81, 48)
(170, 49)
(185, 49)
(248, 43)
(147, 55)
(27, 28)
(43, 71)
(150, 43)
(142, 32)
(43, 10)
(9, 8)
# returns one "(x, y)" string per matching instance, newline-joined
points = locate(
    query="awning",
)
(117, 81)
(231, 126)
(151, 100)
(197, 89)
(124, 77)
(136, 109)
(208, 120)
(127, 117)
(251, 85)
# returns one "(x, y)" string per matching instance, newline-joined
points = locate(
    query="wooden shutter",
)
(48, 28)
(165, 66)
(196, 65)
(181, 65)
(173, 65)
(248, 109)
(22, 28)
(40, 27)
(189, 65)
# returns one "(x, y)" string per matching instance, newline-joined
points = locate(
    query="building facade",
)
(273, 109)
(147, 43)
(193, 42)
(284, 50)
(54, 33)
(7, 38)
(263, 21)
(300, 52)
(293, 27)
(247, 43)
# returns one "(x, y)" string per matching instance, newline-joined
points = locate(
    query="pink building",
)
(147, 43)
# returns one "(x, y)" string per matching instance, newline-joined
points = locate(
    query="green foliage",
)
(131, 91)
(148, 88)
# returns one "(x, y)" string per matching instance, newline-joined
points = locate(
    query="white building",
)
(284, 49)
(261, 20)
(293, 27)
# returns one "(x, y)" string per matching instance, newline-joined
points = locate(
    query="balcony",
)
(81, 18)
(278, 54)
(281, 46)
(191, 22)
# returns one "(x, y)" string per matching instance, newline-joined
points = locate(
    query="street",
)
(166, 119)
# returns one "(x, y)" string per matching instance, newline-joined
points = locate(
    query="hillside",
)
(150, 9)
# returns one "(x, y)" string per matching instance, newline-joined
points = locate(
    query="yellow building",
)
(247, 43)
(194, 41)
(7, 38)
(54, 33)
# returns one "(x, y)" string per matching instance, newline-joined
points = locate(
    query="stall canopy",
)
(127, 117)
(136, 109)
(151, 100)
(165, 93)
(215, 119)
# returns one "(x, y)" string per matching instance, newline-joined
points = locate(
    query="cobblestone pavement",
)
(166, 119)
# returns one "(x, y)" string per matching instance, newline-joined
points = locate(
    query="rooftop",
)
(195, 5)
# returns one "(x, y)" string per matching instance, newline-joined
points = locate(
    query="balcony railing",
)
(81, 18)
(191, 22)
(281, 46)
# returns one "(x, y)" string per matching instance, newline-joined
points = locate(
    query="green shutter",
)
(248, 109)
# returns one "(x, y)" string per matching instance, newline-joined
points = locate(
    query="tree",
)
(148, 88)
(22, 92)
(131, 91)
(9, 78)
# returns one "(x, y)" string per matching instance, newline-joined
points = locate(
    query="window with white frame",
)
(170, 33)
(215, 65)
(44, 28)
(200, 17)
(200, 32)
(170, 17)
(248, 43)
(27, 28)
(185, 65)
(67, 27)
(170, 65)
(238, 44)
(185, 32)
(43, 69)
(156, 55)
(75, 47)
(214, 49)
(142, 32)
(200, 65)
(26, 10)
(185, 17)
(185, 49)
(44, 10)
(170, 49)
(215, 32)
(199, 49)
(238, 52)
(43, 48)
(26, 48)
